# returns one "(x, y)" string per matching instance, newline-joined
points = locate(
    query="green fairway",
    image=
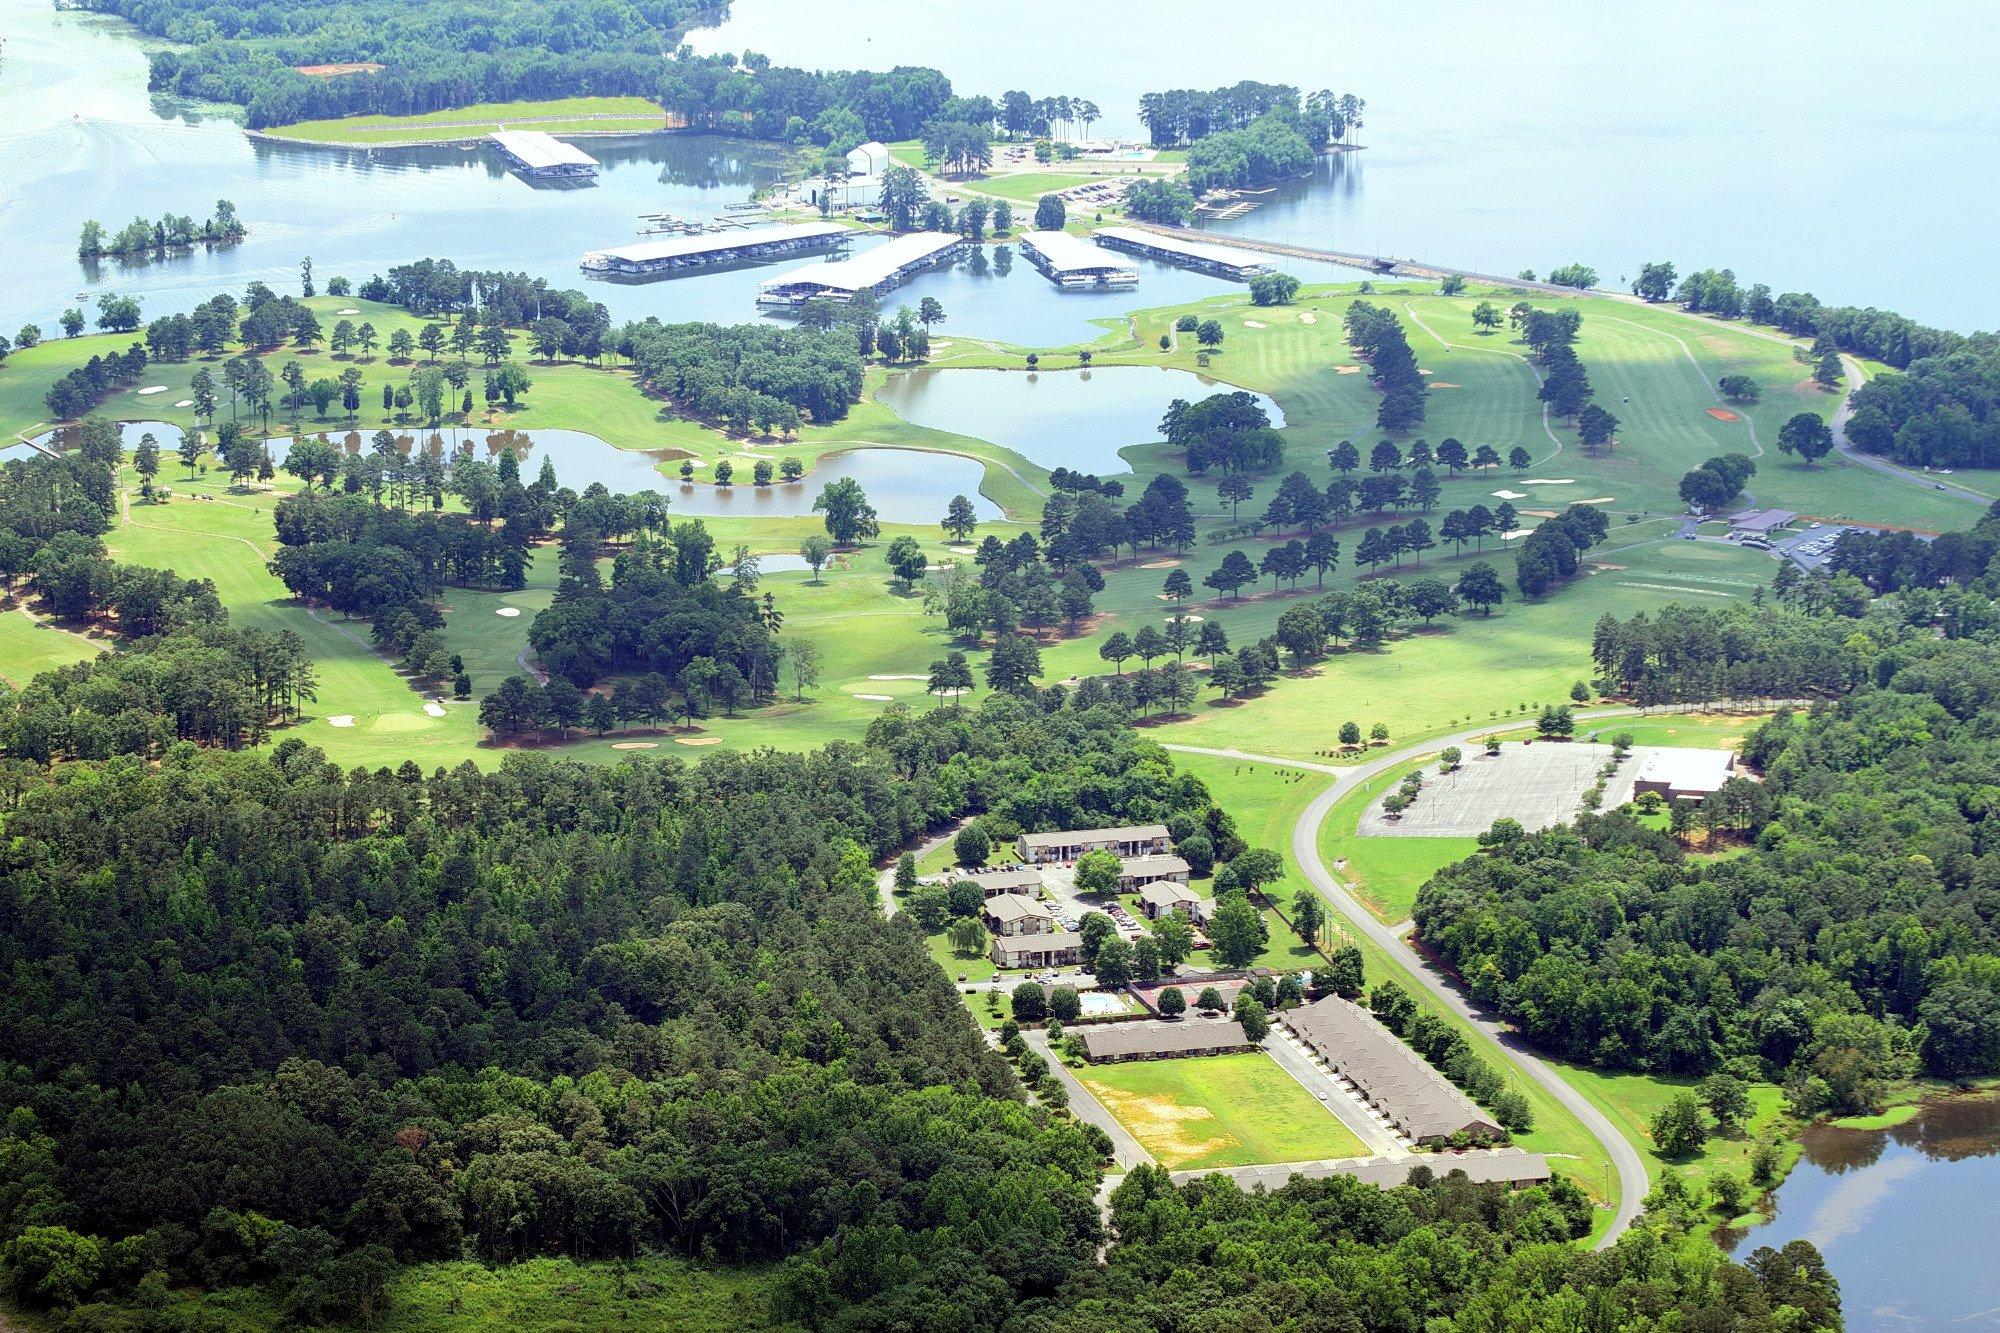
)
(29, 646)
(1219, 1110)
(566, 115)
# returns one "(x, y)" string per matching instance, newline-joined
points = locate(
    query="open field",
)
(1632, 1100)
(566, 115)
(1385, 873)
(1025, 186)
(1219, 1110)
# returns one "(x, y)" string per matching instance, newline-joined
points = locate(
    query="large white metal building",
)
(1224, 261)
(671, 254)
(1073, 263)
(543, 156)
(874, 271)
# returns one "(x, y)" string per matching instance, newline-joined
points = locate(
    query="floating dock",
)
(1075, 264)
(543, 156)
(677, 253)
(1221, 261)
(873, 271)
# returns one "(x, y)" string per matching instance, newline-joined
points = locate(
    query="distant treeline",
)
(1186, 115)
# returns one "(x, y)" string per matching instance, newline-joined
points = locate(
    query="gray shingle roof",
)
(1155, 1037)
(1417, 1097)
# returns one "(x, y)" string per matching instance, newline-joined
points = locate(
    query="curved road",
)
(1632, 1182)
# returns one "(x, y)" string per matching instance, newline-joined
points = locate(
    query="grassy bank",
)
(566, 115)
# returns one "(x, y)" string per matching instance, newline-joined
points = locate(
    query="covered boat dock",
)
(1072, 263)
(873, 271)
(1222, 261)
(543, 156)
(672, 254)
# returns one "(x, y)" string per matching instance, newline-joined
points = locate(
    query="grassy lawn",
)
(1024, 186)
(29, 647)
(1220, 1110)
(566, 115)
(957, 968)
(1385, 873)
(1699, 731)
(1632, 1100)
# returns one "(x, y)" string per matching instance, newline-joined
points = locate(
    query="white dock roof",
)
(685, 247)
(539, 152)
(1202, 250)
(1072, 254)
(870, 267)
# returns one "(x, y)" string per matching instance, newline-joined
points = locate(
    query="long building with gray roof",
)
(1416, 1098)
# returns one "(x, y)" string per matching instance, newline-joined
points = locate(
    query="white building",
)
(870, 159)
(1684, 774)
(1072, 262)
(842, 196)
(543, 156)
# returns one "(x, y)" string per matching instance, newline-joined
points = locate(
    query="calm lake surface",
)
(904, 485)
(1058, 418)
(1840, 147)
(1904, 1216)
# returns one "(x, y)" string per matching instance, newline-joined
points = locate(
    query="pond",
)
(1058, 418)
(1905, 1216)
(904, 485)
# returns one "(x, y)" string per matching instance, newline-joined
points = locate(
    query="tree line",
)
(171, 231)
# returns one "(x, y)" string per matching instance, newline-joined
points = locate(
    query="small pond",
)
(904, 485)
(1904, 1216)
(1058, 418)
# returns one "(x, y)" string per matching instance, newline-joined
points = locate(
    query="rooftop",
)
(1687, 770)
(1168, 893)
(1421, 1100)
(870, 267)
(1158, 1037)
(540, 152)
(1065, 253)
(1049, 941)
(1014, 907)
(1158, 865)
(1070, 837)
(688, 247)
(1505, 1165)
(1008, 876)
(1761, 520)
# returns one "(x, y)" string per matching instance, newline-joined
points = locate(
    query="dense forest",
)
(1852, 940)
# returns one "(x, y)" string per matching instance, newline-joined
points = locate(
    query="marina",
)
(874, 271)
(1221, 261)
(539, 156)
(683, 252)
(1072, 263)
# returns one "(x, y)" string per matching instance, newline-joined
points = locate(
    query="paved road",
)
(885, 879)
(1874, 462)
(1632, 1182)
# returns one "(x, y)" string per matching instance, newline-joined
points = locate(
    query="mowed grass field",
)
(565, 115)
(1219, 1110)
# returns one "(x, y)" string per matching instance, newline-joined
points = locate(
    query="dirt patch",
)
(698, 740)
(1445, 384)
(1347, 370)
(1723, 414)
(1171, 1132)
(640, 745)
(334, 71)
(1161, 564)
(1600, 564)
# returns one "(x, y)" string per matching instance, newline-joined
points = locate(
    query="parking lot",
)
(1812, 548)
(1537, 785)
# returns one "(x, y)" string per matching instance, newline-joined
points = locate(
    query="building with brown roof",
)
(1137, 871)
(1157, 1039)
(1017, 914)
(1416, 1098)
(1067, 845)
(1056, 948)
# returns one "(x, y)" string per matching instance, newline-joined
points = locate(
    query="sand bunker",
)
(877, 698)
(1161, 564)
(434, 709)
(960, 550)
(1347, 370)
(639, 745)
(1550, 481)
(897, 677)
(1517, 532)
(1539, 513)
(1422, 371)
(698, 740)
(1510, 495)
(1255, 324)
(509, 611)
(185, 402)
(1723, 414)
(1190, 619)
(349, 311)
(1445, 384)
(152, 388)
(1598, 500)
(343, 720)
(1309, 318)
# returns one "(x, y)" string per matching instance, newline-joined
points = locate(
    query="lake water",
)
(1837, 147)
(1903, 1216)
(1058, 418)
(904, 485)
